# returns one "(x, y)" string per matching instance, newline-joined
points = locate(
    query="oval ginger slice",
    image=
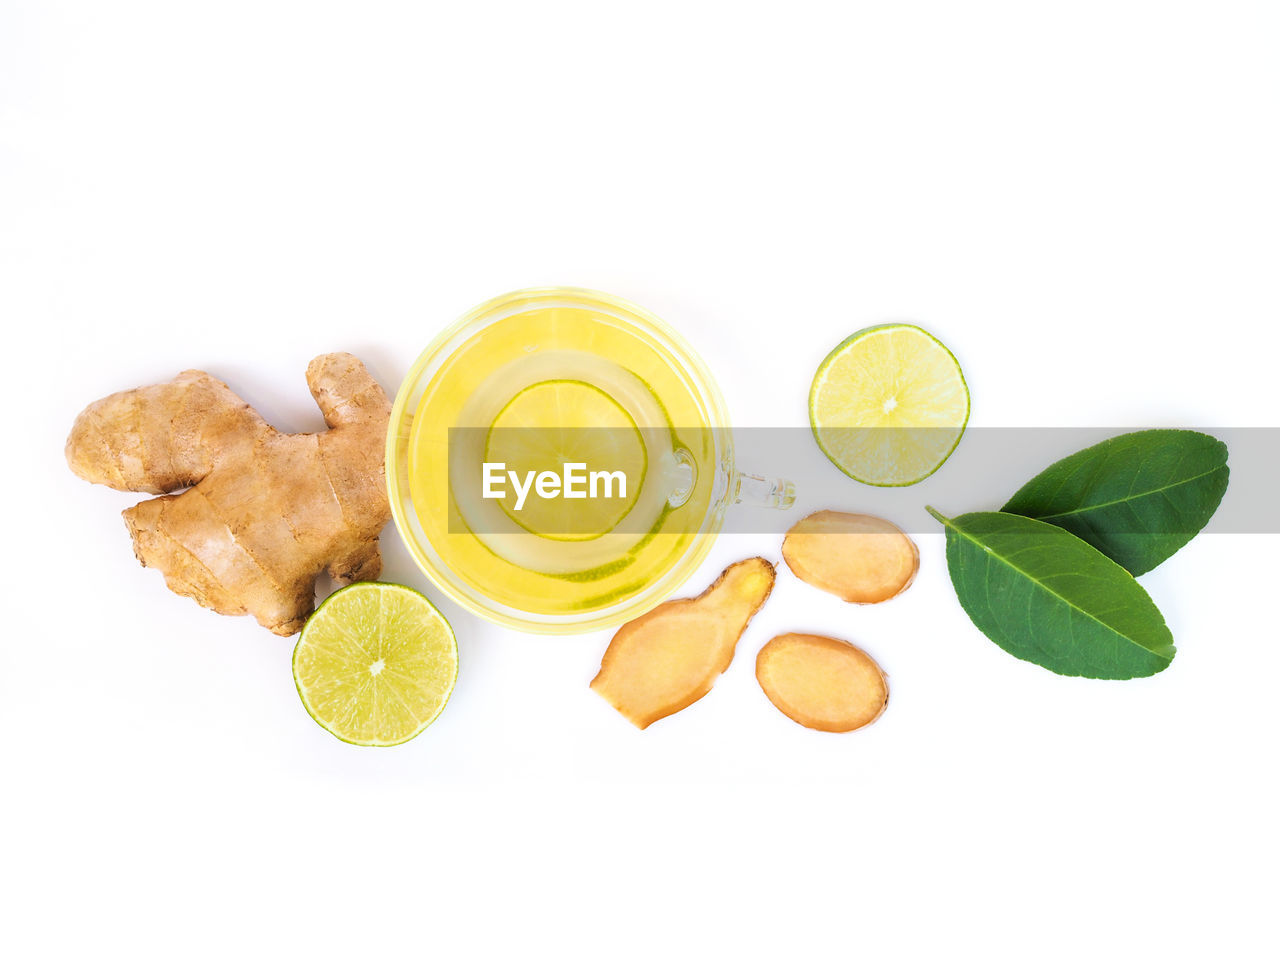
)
(822, 683)
(665, 660)
(859, 558)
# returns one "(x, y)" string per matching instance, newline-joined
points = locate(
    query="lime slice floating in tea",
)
(558, 422)
(375, 664)
(889, 405)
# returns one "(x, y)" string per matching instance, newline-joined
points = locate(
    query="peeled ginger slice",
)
(661, 662)
(822, 683)
(859, 558)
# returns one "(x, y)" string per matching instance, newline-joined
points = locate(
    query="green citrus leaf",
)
(1046, 596)
(1139, 497)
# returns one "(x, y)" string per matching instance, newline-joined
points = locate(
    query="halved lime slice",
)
(889, 404)
(375, 664)
(559, 422)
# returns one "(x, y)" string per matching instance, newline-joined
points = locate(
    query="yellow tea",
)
(562, 458)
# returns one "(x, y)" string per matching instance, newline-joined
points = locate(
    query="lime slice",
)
(889, 404)
(375, 664)
(558, 422)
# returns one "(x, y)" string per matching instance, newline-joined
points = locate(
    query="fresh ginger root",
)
(667, 659)
(822, 683)
(859, 558)
(266, 512)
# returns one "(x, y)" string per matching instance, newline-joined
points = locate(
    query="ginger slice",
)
(822, 683)
(859, 558)
(266, 512)
(665, 660)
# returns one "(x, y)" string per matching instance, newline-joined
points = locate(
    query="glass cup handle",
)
(777, 494)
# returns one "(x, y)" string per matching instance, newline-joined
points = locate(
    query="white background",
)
(1081, 199)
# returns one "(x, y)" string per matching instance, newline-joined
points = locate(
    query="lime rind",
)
(894, 448)
(350, 630)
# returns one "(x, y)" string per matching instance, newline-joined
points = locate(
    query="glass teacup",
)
(560, 460)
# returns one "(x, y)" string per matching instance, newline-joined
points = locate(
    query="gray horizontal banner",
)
(584, 482)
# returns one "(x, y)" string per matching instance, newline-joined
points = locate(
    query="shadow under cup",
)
(624, 430)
